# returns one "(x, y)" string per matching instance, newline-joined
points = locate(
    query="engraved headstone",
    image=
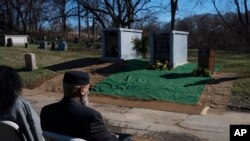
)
(43, 45)
(53, 46)
(9, 42)
(170, 46)
(62, 46)
(30, 62)
(162, 47)
(26, 45)
(206, 58)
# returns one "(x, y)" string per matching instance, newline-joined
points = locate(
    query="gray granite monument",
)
(116, 43)
(172, 46)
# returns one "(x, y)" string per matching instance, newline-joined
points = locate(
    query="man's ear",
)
(82, 90)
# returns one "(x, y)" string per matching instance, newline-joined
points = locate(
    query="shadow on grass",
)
(22, 70)
(176, 75)
(132, 65)
(213, 81)
(125, 66)
(111, 69)
(73, 64)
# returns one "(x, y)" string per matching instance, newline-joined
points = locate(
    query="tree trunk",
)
(10, 17)
(87, 26)
(64, 18)
(247, 23)
(93, 29)
(79, 20)
(174, 7)
(20, 14)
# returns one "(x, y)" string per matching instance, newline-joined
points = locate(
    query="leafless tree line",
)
(209, 31)
(39, 16)
(34, 16)
(20, 15)
(223, 30)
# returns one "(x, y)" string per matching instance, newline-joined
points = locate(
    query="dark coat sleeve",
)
(98, 130)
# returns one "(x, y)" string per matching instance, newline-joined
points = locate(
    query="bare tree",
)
(243, 18)
(79, 19)
(63, 14)
(21, 16)
(120, 13)
(7, 12)
(174, 8)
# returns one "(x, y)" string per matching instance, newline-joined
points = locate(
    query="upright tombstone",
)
(26, 45)
(206, 58)
(9, 42)
(171, 46)
(53, 46)
(43, 45)
(62, 45)
(30, 62)
(116, 43)
(76, 40)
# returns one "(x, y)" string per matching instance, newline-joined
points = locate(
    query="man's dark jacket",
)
(71, 118)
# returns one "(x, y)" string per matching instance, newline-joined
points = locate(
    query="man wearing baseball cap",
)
(71, 116)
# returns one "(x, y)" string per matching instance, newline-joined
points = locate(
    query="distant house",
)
(16, 39)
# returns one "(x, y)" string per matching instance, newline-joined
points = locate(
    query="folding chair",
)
(9, 131)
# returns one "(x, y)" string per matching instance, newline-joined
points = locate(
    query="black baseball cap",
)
(76, 78)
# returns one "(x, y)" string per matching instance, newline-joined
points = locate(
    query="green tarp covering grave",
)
(135, 81)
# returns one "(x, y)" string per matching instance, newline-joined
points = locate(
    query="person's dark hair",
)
(10, 87)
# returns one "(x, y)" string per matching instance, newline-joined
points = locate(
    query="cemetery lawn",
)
(231, 62)
(14, 57)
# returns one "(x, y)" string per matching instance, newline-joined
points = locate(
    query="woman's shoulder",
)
(21, 102)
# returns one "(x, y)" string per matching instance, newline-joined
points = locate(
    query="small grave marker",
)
(43, 45)
(62, 45)
(30, 62)
(206, 58)
(53, 46)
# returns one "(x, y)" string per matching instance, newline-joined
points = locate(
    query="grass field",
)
(14, 56)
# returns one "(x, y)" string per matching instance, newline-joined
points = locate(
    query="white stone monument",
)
(16, 39)
(172, 46)
(30, 62)
(116, 43)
